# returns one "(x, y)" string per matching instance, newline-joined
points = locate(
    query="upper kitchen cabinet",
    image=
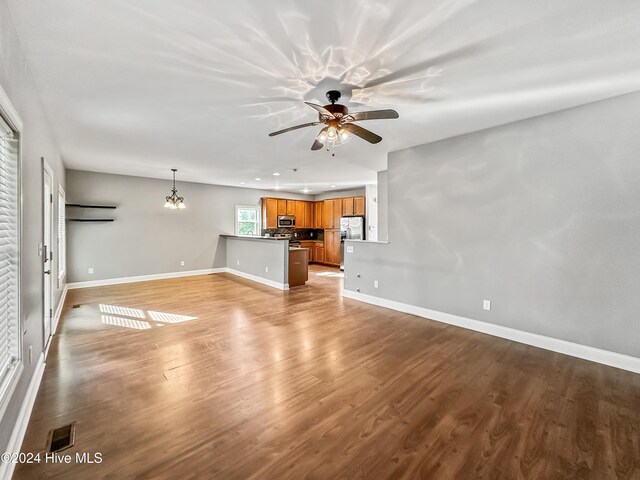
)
(347, 207)
(282, 206)
(327, 214)
(270, 213)
(353, 206)
(300, 223)
(308, 214)
(300, 217)
(331, 213)
(317, 214)
(321, 214)
(337, 212)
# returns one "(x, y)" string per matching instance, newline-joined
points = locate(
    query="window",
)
(62, 237)
(9, 256)
(247, 220)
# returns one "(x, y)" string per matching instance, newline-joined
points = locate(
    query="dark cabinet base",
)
(298, 267)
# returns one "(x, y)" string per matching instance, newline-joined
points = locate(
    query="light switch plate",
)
(486, 304)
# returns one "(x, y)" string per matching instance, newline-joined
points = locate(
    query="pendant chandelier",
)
(173, 201)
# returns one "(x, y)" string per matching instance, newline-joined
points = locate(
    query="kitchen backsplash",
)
(302, 233)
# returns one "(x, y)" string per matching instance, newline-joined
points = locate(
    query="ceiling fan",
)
(339, 123)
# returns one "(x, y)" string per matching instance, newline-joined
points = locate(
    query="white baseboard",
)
(255, 278)
(161, 276)
(142, 278)
(56, 315)
(624, 362)
(56, 319)
(20, 427)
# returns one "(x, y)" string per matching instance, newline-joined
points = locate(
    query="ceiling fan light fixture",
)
(340, 126)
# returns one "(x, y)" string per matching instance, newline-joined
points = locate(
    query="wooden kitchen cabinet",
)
(308, 214)
(323, 214)
(307, 244)
(337, 212)
(317, 214)
(282, 207)
(332, 247)
(299, 214)
(327, 214)
(318, 253)
(298, 266)
(331, 213)
(269, 213)
(347, 207)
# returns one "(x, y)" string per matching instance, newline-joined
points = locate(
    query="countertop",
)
(251, 237)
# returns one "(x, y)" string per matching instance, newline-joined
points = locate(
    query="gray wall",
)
(37, 141)
(354, 192)
(383, 206)
(146, 238)
(256, 256)
(542, 217)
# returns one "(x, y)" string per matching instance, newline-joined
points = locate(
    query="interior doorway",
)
(47, 250)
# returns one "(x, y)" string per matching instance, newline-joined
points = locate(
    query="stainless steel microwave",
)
(286, 221)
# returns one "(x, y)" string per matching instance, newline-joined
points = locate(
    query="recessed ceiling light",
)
(257, 179)
(241, 183)
(276, 174)
(333, 186)
(306, 190)
(276, 187)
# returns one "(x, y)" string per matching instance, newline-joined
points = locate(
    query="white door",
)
(47, 254)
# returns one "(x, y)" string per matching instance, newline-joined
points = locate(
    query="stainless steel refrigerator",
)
(351, 228)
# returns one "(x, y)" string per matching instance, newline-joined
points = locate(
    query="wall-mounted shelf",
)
(90, 220)
(81, 205)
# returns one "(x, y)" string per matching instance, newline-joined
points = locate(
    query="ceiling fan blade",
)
(321, 110)
(311, 124)
(362, 133)
(373, 115)
(317, 145)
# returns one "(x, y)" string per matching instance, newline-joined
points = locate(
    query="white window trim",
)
(258, 219)
(10, 115)
(62, 269)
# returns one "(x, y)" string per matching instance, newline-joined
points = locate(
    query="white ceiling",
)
(138, 87)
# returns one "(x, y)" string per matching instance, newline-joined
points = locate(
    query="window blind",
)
(9, 223)
(62, 240)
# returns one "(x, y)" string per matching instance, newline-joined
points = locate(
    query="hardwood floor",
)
(219, 377)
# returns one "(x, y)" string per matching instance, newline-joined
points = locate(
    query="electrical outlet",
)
(266, 269)
(350, 249)
(486, 304)
(90, 270)
(182, 263)
(375, 284)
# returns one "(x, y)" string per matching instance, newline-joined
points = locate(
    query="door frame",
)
(47, 279)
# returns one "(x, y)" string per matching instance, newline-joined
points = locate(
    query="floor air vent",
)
(61, 438)
(76, 305)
